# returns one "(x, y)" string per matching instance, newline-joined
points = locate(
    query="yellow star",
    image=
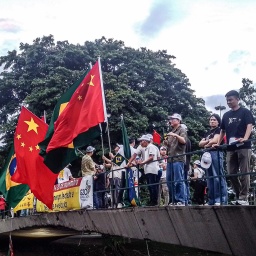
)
(22, 144)
(30, 149)
(32, 125)
(37, 147)
(18, 136)
(91, 83)
(79, 97)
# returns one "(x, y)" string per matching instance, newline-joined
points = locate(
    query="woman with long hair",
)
(217, 186)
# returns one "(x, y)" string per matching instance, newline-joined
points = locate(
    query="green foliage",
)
(143, 85)
(248, 96)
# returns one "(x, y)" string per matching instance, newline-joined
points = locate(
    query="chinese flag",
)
(156, 137)
(85, 109)
(31, 169)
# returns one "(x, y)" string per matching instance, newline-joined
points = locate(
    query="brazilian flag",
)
(12, 191)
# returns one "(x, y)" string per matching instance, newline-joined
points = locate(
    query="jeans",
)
(153, 189)
(217, 187)
(175, 182)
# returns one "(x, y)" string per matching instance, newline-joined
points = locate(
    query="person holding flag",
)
(117, 164)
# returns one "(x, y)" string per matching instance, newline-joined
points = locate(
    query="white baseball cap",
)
(197, 162)
(150, 136)
(206, 160)
(89, 149)
(175, 116)
(144, 137)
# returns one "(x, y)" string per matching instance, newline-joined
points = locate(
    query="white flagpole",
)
(102, 91)
(103, 151)
(44, 116)
(104, 105)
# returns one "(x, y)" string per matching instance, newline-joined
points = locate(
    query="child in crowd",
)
(199, 183)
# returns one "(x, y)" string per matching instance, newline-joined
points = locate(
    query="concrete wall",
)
(228, 229)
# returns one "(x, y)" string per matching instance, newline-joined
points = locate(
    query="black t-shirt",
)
(100, 181)
(234, 123)
(211, 133)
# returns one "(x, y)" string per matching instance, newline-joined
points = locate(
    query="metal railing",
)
(142, 188)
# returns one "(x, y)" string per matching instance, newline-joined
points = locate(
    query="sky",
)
(214, 41)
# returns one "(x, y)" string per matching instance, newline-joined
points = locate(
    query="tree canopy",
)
(143, 85)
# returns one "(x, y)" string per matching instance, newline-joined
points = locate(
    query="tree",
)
(248, 96)
(143, 85)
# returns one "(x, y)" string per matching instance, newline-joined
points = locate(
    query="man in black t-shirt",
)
(237, 124)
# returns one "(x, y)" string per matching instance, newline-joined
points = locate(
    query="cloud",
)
(236, 70)
(238, 55)
(162, 14)
(8, 25)
(216, 100)
(214, 63)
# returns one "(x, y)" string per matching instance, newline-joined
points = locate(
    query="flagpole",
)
(109, 144)
(44, 116)
(103, 152)
(102, 91)
(104, 104)
(80, 151)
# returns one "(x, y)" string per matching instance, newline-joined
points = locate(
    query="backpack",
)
(202, 181)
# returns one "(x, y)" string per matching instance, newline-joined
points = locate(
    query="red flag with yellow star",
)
(86, 109)
(31, 169)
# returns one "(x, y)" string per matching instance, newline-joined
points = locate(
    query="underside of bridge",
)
(226, 229)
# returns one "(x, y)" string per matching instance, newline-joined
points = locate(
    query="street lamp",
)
(220, 108)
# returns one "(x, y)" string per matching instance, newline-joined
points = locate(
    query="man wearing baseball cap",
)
(87, 165)
(176, 144)
(151, 168)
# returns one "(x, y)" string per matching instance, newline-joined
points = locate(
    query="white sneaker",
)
(218, 204)
(233, 202)
(119, 205)
(180, 204)
(242, 202)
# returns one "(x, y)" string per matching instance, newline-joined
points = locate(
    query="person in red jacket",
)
(2, 205)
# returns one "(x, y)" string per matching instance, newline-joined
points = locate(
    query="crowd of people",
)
(167, 169)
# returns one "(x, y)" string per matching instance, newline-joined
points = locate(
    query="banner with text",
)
(70, 195)
(25, 203)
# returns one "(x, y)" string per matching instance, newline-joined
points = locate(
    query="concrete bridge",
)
(225, 229)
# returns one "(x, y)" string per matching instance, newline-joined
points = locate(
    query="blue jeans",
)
(175, 182)
(217, 187)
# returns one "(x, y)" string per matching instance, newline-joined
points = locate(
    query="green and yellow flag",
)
(12, 191)
(129, 174)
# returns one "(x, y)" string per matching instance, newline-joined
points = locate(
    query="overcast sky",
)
(214, 41)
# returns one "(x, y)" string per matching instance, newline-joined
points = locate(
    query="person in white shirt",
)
(163, 185)
(151, 168)
(198, 196)
(64, 175)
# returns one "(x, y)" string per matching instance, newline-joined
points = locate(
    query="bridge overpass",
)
(225, 229)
